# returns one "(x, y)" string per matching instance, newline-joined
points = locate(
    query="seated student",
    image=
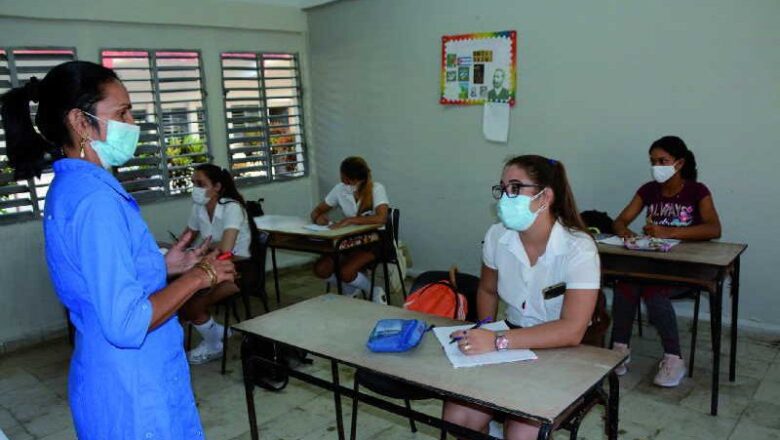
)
(541, 242)
(678, 207)
(218, 214)
(363, 202)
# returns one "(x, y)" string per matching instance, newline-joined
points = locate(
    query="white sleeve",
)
(489, 247)
(332, 199)
(193, 222)
(583, 269)
(232, 216)
(380, 195)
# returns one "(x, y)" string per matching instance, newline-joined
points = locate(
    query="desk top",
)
(338, 327)
(288, 224)
(713, 253)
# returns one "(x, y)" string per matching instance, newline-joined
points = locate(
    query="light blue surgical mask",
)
(120, 144)
(515, 212)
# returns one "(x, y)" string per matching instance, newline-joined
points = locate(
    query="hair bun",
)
(33, 89)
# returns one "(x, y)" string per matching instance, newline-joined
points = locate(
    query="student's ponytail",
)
(68, 86)
(25, 148)
(551, 173)
(678, 150)
(356, 168)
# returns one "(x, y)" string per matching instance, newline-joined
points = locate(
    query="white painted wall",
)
(29, 309)
(598, 82)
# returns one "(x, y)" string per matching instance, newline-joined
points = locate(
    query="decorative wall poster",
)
(479, 68)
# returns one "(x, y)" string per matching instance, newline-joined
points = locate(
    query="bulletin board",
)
(479, 68)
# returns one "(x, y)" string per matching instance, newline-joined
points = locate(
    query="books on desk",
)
(459, 359)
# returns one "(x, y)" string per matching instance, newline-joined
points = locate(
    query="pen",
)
(477, 325)
(173, 236)
(225, 256)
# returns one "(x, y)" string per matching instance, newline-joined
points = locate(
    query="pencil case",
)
(396, 335)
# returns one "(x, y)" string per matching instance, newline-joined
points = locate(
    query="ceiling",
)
(294, 3)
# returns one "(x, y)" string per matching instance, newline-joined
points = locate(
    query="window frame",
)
(263, 98)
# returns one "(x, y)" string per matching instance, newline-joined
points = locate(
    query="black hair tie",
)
(33, 89)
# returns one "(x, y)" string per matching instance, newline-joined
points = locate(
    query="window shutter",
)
(263, 116)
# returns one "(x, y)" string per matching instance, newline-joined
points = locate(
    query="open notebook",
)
(459, 359)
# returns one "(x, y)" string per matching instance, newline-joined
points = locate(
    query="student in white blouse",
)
(219, 215)
(363, 202)
(540, 261)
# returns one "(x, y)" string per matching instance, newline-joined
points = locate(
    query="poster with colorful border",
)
(479, 68)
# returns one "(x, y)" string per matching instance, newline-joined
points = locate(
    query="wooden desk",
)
(336, 328)
(288, 232)
(698, 264)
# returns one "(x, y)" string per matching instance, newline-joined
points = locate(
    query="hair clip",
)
(552, 162)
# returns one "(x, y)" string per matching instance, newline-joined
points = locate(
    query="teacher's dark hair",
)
(678, 150)
(75, 84)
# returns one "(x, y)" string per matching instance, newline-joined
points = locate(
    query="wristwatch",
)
(502, 341)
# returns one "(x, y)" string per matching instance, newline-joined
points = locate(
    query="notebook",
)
(458, 359)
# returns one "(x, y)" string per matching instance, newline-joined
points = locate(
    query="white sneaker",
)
(671, 371)
(378, 295)
(204, 353)
(623, 349)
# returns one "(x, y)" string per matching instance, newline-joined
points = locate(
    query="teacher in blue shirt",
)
(129, 377)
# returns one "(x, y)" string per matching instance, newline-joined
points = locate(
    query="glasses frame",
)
(499, 190)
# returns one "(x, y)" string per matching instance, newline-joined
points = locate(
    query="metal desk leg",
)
(334, 368)
(249, 389)
(387, 282)
(716, 311)
(276, 274)
(337, 272)
(734, 317)
(545, 431)
(613, 406)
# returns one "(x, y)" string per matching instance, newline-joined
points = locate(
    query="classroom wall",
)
(29, 308)
(598, 81)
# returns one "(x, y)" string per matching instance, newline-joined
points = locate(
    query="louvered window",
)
(168, 96)
(24, 199)
(264, 116)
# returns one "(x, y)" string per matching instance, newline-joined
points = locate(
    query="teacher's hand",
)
(475, 341)
(179, 260)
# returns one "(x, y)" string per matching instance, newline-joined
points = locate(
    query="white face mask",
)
(199, 196)
(662, 173)
(350, 189)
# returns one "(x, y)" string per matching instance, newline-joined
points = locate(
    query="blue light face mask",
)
(120, 144)
(515, 212)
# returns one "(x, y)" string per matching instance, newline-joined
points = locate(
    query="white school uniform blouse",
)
(342, 197)
(228, 214)
(570, 257)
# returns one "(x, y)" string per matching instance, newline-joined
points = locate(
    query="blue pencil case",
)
(396, 335)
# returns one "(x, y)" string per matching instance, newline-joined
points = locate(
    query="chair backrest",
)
(390, 234)
(253, 270)
(393, 216)
(467, 285)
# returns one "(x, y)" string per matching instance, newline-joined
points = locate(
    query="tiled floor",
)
(33, 395)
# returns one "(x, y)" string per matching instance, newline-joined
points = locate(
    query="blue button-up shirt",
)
(126, 382)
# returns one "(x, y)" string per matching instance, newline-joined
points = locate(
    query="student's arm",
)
(708, 229)
(229, 237)
(629, 213)
(487, 293)
(578, 305)
(318, 215)
(379, 218)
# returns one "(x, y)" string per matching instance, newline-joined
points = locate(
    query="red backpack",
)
(439, 298)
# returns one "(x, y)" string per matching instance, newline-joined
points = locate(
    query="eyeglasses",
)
(512, 190)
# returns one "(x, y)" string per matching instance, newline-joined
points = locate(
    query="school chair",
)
(251, 283)
(389, 253)
(396, 389)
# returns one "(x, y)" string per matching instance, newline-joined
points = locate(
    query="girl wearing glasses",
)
(542, 264)
(363, 202)
(678, 207)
